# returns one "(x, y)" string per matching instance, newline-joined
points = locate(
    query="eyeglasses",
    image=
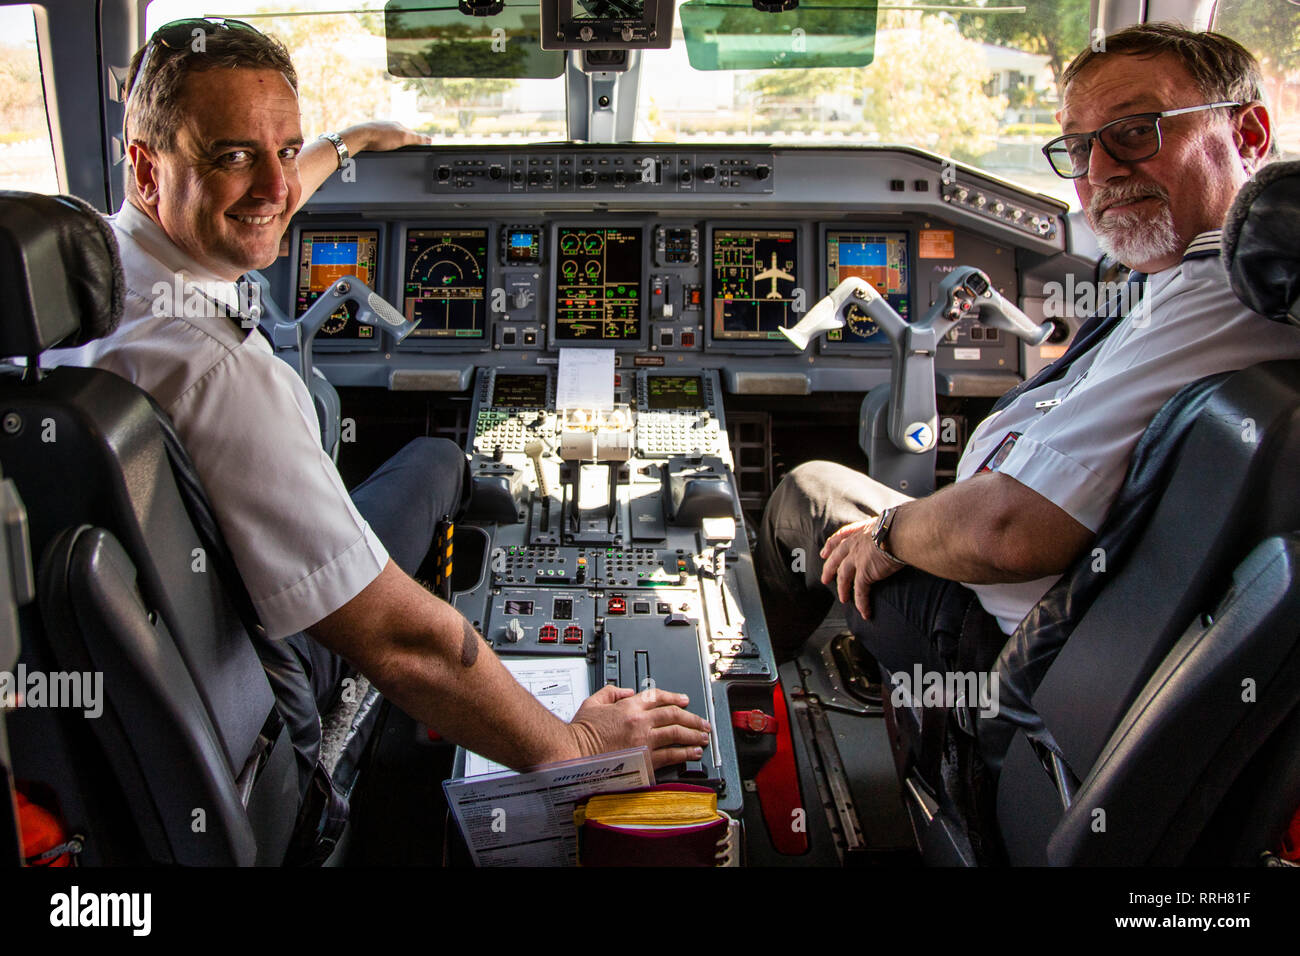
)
(179, 34)
(1129, 139)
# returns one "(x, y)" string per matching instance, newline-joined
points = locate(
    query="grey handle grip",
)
(371, 309)
(966, 291)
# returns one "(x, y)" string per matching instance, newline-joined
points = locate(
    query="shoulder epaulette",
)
(1205, 245)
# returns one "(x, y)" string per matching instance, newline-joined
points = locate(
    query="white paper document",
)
(526, 819)
(560, 683)
(586, 379)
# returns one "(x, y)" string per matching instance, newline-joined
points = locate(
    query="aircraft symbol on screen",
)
(773, 273)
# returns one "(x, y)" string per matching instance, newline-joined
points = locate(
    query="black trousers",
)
(403, 501)
(916, 617)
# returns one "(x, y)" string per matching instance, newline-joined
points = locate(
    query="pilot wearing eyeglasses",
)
(1150, 183)
(218, 167)
(1162, 126)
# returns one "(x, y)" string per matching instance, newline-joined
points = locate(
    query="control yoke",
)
(371, 309)
(966, 291)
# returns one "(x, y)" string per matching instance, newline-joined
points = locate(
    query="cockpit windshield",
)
(977, 86)
(976, 80)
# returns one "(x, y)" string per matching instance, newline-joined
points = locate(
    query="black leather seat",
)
(1150, 711)
(17, 588)
(204, 752)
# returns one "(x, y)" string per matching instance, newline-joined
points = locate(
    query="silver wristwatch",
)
(340, 147)
(880, 535)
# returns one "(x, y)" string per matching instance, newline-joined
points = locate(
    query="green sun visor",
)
(434, 39)
(732, 35)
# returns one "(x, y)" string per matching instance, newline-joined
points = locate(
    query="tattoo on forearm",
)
(469, 646)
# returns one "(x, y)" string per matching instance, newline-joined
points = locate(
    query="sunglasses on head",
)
(181, 34)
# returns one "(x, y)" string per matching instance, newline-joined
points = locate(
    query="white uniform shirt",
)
(249, 425)
(1076, 454)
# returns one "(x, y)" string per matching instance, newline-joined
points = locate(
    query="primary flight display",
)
(324, 257)
(881, 259)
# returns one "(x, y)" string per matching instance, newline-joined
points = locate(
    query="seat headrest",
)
(60, 273)
(1260, 251)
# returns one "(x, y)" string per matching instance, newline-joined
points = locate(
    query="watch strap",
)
(340, 147)
(880, 535)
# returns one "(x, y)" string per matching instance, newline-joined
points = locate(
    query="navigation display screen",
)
(519, 391)
(598, 283)
(881, 259)
(327, 255)
(755, 282)
(444, 282)
(674, 391)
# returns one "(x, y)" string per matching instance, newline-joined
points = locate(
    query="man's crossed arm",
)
(989, 529)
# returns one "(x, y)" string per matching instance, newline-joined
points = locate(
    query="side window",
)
(1270, 29)
(26, 153)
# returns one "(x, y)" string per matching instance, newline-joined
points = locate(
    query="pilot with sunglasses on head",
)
(1161, 126)
(218, 166)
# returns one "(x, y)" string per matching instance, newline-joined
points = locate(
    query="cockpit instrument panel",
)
(755, 279)
(327, 255)
(598, 282)
(879, 257)
(444, 282)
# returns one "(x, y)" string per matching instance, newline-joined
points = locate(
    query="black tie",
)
(1094, 329)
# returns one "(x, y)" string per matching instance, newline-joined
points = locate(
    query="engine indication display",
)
(881, 259)
(755, 282)
(598, 283)
(325, 256)
(445, 282)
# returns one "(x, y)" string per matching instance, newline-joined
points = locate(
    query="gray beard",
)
(1135, 239)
